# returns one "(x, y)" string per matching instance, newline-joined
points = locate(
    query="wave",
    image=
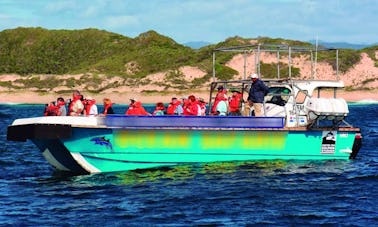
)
(4, 115)
(11, 103)
(365, 101)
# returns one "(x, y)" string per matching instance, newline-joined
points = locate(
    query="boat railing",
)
(301, 90)
(191, 122)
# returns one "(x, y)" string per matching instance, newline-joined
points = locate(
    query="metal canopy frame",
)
(275, 48)
(272, 48)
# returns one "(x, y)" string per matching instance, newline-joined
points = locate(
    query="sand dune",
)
(362, 77)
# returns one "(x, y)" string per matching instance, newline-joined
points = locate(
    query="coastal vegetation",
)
(100, 55)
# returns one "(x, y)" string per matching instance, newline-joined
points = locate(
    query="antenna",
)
(316, 55)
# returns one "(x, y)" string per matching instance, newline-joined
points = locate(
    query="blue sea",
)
(276, 193)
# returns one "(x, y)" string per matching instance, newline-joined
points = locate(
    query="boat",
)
(298, 124)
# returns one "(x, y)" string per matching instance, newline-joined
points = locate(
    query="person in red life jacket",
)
(131, 109)
(192, 108)
(76, 106)
(50, 109)
(136, 109)
(202, 105)
(90, 107)
(235, 103)
(174, 107)
(159, 109)
(108, 107)
(221, 96)
(61, 105)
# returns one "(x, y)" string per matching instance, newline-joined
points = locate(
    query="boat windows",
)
(278, 95)
(301, 97)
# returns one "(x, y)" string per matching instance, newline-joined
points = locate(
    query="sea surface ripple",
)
(277, 193)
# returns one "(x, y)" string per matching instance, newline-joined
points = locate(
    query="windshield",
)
(278, 95)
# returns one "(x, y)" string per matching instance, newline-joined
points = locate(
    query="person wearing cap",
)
(136, 109)
(90, 106)
(131, 109)
(257, 93)
(202, 105)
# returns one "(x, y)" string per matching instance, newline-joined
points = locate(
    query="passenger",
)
(50, 109)
(76, 106)
(130, 110)
(257, 93)
(185, 103)
(136, 108)
(108, 107)
(61, 105)
(202, 105)
(159, 109)
(235, 103)
(221, 109)
(175, 108)
(83, 102)
(90, 107)
(221, 96)
(192, 108)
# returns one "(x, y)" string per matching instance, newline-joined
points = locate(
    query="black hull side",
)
(61, 154)
(38, 131)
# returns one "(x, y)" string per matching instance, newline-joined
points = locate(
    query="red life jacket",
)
(77, 98)
(106, 107)
(172, 107)
(192, 109)
(136, 109)
(51, 110)
(88, 106)
(234, 103)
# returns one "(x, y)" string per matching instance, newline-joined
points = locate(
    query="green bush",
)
(28, 51)
(270, 70)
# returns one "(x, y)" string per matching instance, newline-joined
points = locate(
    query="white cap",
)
(254, 75)
(89, 98)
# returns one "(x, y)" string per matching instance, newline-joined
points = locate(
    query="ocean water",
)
(277, 193)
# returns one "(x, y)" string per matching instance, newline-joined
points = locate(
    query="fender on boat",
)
(357, 144)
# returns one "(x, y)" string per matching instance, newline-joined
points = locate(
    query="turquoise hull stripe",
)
(127, 149)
